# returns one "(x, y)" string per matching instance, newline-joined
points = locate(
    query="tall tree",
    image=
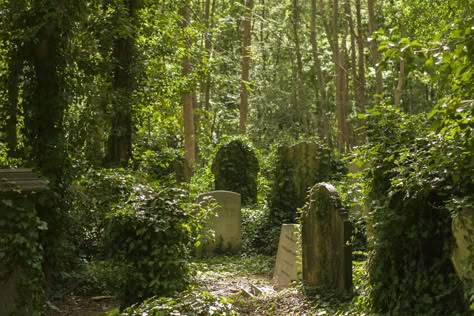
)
(300, 105)
(374, 48)
(187, 99)
(324, 129)
(124, 81)
(245, 78)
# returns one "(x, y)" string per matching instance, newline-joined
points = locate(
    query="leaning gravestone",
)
(297, 169)
(20, 270)
(235, 168)
(288, 260)
(227, 224)
(326, 233)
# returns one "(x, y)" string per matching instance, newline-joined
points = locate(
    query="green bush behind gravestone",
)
(235, 168)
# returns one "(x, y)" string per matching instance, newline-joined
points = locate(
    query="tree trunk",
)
(339, 77)
(324, 129)
(14, 70)
(401, 76)
(374, 48)
(187, 101)
(300, 106)
(208, 48)
(120, 138)
(361, 64)
(247, 42)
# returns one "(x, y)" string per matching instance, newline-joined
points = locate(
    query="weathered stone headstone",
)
(19, 190)
(227, 223)
(326, 233)
(288, 260)
(297, 169)
(463, 231)
(235, 168)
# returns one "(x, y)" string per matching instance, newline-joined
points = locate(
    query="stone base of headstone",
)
(226, 224)
(288, 260)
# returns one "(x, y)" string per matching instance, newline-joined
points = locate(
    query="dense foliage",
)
(410, 194)
(90, 84)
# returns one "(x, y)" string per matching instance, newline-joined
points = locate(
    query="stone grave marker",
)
(297, 169)
(19, 193)
(227, 223)
(288, 260)
(326, 233)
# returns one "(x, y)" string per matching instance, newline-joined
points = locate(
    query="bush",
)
(411, 195)
(150, 237)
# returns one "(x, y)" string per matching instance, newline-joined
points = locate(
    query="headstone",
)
(235, 168)
(18, 196)
(297, 169)
(463, 231)
(227, 223)
(326, 233)
(288, 260)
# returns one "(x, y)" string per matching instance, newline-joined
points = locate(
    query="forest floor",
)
(247, 282)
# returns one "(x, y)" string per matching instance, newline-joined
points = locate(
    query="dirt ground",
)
(81, 306)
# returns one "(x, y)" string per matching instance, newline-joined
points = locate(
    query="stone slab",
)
(463, 231)
(227, 224)
(326, 234)
(288, 260)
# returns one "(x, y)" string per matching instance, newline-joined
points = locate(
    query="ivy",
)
(21, 253)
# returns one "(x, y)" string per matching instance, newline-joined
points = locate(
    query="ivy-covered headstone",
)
(326, 233)
(21, 254)
(235, 168)
(297, 169)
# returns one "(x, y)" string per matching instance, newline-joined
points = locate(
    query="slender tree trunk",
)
(324, 129)
(361, 63)
(339, 76)
(120, 138)
(247, 42)
(208, 48)
(361, 82)
(374, 48)
(14, 70)
(300, 105)
(401, 76)
(187, 102)
(347, 63)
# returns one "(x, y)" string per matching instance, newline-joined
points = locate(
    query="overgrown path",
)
(247, 283)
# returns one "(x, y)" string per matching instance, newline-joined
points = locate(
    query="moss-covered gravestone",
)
(21, 276)
(297, 169)
(326, 233)
(235, 168)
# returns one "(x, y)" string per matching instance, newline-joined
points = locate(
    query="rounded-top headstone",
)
(227, 222)
(235, 168)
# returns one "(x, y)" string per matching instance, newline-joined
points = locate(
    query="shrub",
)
(411, 193)
(150, 237)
